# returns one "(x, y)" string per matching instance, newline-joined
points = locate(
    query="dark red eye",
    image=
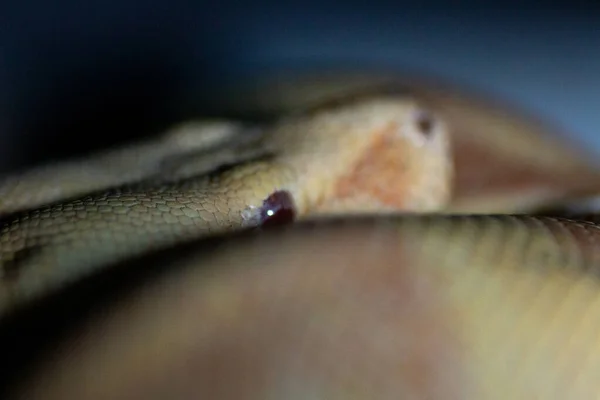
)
(278, 209)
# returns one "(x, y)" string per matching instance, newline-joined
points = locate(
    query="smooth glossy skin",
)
(428, 307)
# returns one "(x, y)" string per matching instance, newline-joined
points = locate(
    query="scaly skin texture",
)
(403, 307)
(324, 160)
(396, 307)
(156, 159)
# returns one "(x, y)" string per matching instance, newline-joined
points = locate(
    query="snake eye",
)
(425, 123)
(278, 209)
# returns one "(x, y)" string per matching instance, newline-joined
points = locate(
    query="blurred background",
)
(77, 76)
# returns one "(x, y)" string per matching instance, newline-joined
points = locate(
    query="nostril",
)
(425, 122)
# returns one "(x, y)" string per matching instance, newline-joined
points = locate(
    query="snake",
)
(355, 244)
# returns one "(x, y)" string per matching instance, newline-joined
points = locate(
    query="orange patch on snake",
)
(379, 174)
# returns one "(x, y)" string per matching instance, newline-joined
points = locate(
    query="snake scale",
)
(350, 250)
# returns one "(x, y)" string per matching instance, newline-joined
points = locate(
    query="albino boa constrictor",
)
(133, 266)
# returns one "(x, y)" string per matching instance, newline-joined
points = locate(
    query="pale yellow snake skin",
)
(336, 306)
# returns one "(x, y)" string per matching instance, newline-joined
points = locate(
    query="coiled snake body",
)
(360, 298)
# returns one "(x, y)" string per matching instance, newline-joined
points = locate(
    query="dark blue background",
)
(79, 75)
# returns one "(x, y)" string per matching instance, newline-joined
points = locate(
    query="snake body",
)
(390, 306)
(45, 247)
(481, 307)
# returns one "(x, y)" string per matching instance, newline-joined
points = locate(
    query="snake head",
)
(378, 154)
